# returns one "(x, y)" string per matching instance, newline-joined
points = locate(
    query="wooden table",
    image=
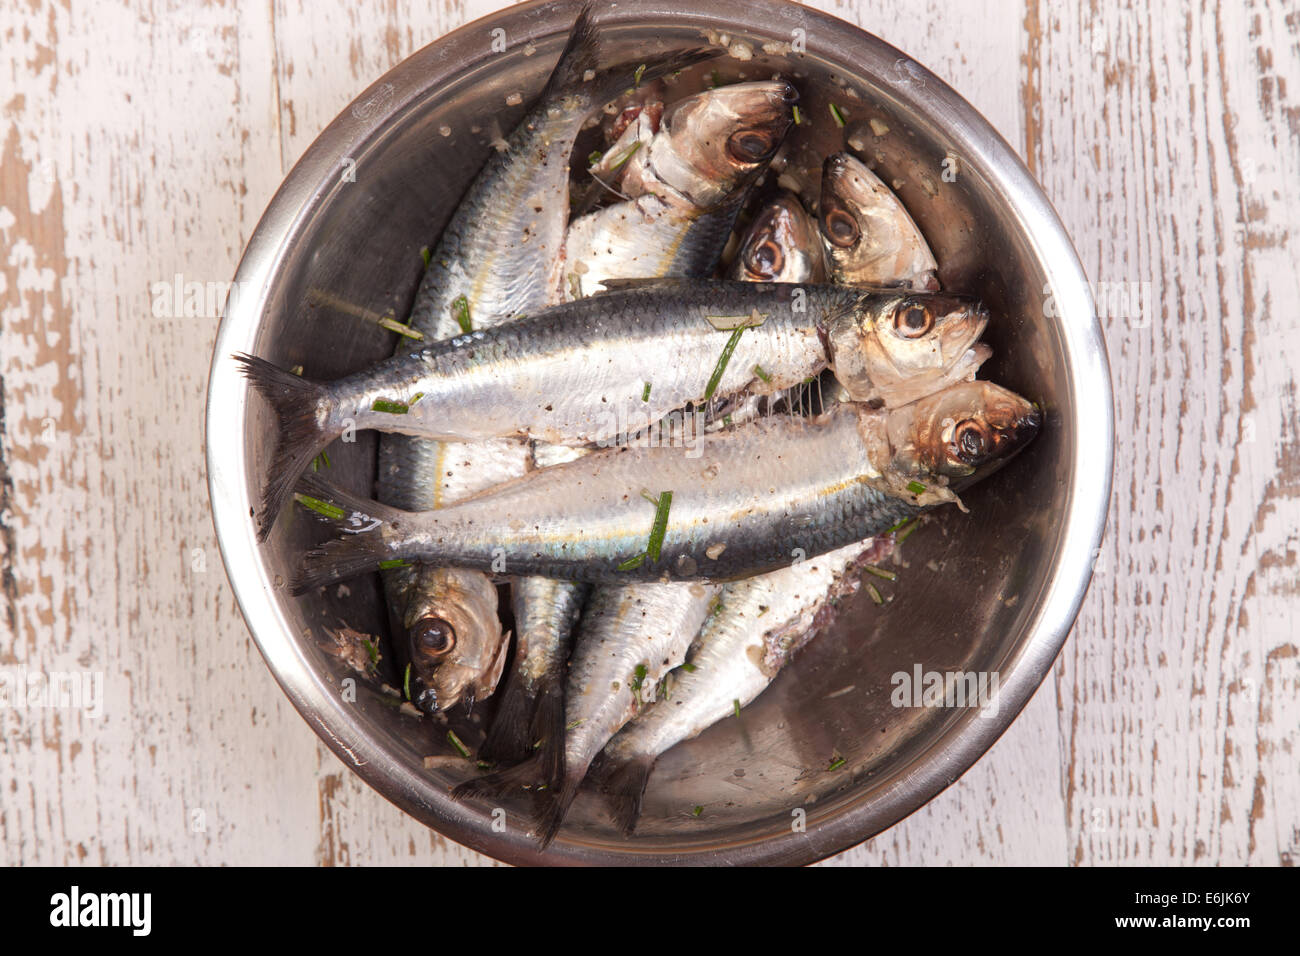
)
(138, 146)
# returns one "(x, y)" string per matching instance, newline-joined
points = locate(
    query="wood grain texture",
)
(136, 145)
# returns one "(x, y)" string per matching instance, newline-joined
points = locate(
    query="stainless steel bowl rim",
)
(1081, 524)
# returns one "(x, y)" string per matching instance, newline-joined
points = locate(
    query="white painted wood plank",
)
(1169, 144)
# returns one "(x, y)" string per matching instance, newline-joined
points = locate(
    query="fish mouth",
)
(426, 701)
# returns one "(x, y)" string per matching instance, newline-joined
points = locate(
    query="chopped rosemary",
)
(406, 682)
(880, 572)
(645, 393)
(660, 526)
(296, 370)
(394, 563)
(915, 487)
(715, 78)
(906, 532)
(632, 564)
(392, 408)
(392, 325)
(631, 151)
(323, 508)
(638, 678)
(460, 309)
(795, 111)
(689, 668)
(574, 724)
(875, 593)
(898, 524)
(426, 255)
(697, 811)
(723, 359)
(836, 763)
(636, 77)
(415, 398)
(371, 649)
(758, 370)
(594, 157)
(735, 705)
(837, 114)
(455, 742)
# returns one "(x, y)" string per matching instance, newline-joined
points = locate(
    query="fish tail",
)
(547, 731)
(365, 545)
(509, 740)
(524, 774)
(581, 54)
(579, 62)
(557, 807)
(299, 435)
(624, 786)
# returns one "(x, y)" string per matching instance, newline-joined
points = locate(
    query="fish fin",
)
(556, 808)
(579, 62)
(338, 560)
(365, 545)
(624, 788)
(581, 53)
(357, 508)
(501, 782)
(299, 437)
(509, 740)
(547, 730)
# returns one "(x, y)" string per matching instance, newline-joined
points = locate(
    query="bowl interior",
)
(970, 587)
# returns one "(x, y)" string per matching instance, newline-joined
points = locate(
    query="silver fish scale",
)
(545, 610)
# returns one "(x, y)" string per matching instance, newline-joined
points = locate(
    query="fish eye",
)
(765, 259)
(433, 637)
(750, 146)
(971, 440)
(841, 228)
(913, 320)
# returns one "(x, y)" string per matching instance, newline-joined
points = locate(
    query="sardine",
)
(684, 188)
(568, 374)
(870, 238)
(751, 500)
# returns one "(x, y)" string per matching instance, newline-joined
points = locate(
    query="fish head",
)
(966, 432)
(781, 245)
(869, 236)
(712, 145)
(454, 639)
(896, 348)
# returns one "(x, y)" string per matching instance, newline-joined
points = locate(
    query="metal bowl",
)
(994, 591)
